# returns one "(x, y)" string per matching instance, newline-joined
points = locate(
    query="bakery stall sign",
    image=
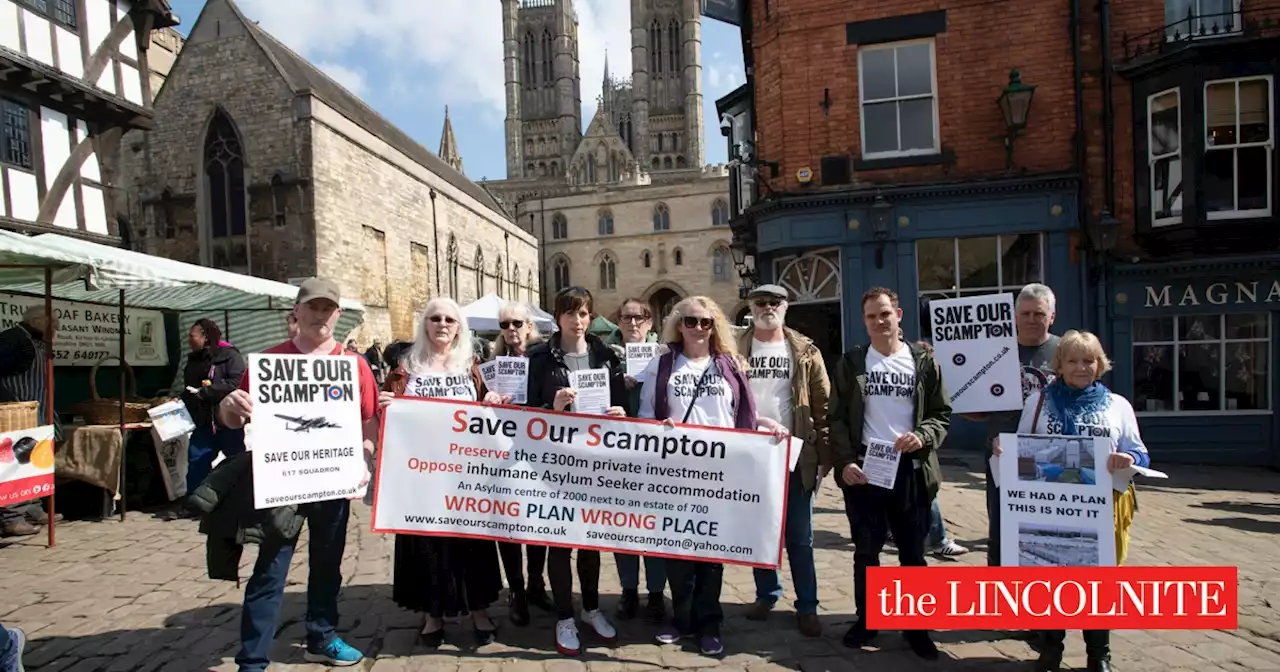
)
(88, 332)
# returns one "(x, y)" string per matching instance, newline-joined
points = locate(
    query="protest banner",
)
(1056, 502)
(507, 376)
(86, 333)
(26, 465)
(976, 346)
(307, 434)
(563, 479)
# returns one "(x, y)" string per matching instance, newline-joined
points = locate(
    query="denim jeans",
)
(655, 572)
(937, 536)
(695, 596)
(203, 449)
(8, 651)
(798, 533)
(264, 594)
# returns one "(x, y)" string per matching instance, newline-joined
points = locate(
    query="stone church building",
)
(261, 164)
(630, 198)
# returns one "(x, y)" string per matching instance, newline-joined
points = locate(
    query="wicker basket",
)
(19, 415)
(99, 411)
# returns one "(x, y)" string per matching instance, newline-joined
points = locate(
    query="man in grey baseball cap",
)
(318, 288)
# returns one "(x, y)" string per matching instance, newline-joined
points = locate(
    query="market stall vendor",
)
(23, 377)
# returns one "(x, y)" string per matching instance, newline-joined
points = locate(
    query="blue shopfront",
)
(924, 242)
(1194, 350)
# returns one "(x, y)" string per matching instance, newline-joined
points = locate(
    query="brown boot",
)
(758, 611)
(19, 528)
(809, 624)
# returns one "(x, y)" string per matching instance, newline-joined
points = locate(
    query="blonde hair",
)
(461, 353)
(515, 311)
(1080, 342)
(722, 340)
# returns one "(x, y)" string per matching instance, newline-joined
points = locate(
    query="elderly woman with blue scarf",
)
(1076, 403)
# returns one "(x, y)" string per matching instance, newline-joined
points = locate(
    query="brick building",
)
(261, 164)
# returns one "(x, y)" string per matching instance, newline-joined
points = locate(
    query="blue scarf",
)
(1072, 404)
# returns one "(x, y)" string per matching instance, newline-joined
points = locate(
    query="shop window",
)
(898, 100)
(947, 268)
(1238, 143)
(1204, 363)
(559, 227)
(1164, 157)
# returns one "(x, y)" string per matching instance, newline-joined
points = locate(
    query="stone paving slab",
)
(133, 597)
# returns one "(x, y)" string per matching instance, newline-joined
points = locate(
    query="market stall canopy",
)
(23, 261)
(482, 314)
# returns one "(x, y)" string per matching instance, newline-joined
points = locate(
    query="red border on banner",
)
(9, 490)
(377, 485)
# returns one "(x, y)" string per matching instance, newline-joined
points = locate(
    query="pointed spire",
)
(449, 145)
(605, 87)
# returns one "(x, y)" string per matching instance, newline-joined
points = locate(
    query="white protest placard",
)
(26, 465)
(881, 463)
(308, 444)
(976, 346)
(638, 357)
(593, 391)
(86, 332)
(441, 385)
(1056, 502)
(460, 469)
(507, 376)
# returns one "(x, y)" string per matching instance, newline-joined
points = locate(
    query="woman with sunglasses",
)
(517, 336)
(443, 576)
(572, 348)
(700, 380)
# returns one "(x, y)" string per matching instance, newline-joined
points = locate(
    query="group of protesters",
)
(765, 377)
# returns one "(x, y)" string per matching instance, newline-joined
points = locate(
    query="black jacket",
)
(222, 367)
(229, 520)
(548, 373)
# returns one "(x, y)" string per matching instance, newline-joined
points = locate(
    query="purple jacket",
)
(744, 405)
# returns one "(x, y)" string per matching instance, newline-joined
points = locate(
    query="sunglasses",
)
(768, 303)
(704, 323)
(512, 324)
(634, 318)
(443, 318)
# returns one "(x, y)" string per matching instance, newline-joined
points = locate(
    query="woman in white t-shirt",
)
(1076, 403)
(700, 380)
(443, 576)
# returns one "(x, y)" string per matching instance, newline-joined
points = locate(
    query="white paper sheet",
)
(593, 391)
(881, 463)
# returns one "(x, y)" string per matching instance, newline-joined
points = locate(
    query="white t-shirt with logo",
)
(889, 408)
(770, 376)
(714, 404)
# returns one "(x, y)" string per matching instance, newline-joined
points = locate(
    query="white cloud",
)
(351, 78)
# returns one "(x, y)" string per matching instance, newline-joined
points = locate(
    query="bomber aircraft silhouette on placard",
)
(306, 424)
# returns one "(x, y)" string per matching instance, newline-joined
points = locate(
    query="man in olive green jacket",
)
(789, 382)
(890, 395)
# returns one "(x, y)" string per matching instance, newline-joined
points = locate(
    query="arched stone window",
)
(661, 217)
(560, 273)
(279, 200)
(719, 213)
(646, 259)
(559, 227)
(608, 273)
(479, 269)
(225, 235)
(678, 255)
(720, 265)
(452, 261)
(604, 222)
(499, 277)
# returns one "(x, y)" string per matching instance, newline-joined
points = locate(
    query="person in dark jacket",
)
(572, 348)
(213, 370)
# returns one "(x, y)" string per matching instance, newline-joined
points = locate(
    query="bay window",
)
(1164, 157)
(1239, 139)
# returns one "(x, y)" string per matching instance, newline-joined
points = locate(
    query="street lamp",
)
(1105, 233)
(745, 264)
(881, 211)
(1015, 105)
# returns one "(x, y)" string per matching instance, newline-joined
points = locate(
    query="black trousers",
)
(1097, 643)
(993, 519)
(695, 596)
(561, 574)
(873, 511)
(537, 559)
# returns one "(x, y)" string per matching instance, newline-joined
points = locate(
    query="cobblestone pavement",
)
(133, 596)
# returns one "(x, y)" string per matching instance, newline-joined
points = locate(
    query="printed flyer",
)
(609, 484)
(1055, 510)
(976, 345)
(307, 435)
(507, 376)
(26, 465)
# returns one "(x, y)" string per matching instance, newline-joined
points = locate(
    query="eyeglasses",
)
(704, 323)
(513, 324)
(443, 318)
(768, 303)
(634, 318)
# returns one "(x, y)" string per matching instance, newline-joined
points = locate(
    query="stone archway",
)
(662, 296)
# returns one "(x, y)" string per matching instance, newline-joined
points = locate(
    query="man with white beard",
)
(790, 385)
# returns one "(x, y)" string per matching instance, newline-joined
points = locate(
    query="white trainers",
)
(601, 625)
(567, 638)
(950, 549)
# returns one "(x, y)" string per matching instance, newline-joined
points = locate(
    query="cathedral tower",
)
(666, 79)
(543, 86)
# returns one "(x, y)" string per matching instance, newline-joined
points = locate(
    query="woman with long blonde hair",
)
(700, 380)
(442, 575)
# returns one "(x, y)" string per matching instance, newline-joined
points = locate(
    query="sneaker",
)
(601, 625)
(628, 605)
(950, 549)
(14, 659)
(336, 653)
(711, 645)
(567, 638)
(656, 610)
(669, 635)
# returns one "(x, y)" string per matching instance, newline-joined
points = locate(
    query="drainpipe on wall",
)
(1082, 191)
(542, 278)
(1109, 156)
(506, 242)
(435, 234)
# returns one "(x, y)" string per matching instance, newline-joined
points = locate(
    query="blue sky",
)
(409, 58)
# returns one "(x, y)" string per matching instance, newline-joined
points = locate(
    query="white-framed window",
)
(1164, 156)
(1196, 19)
(948, 268)
(897, 90)
(1239, 138)
(1211, 363)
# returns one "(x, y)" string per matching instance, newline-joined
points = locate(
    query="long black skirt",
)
(445, 576)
